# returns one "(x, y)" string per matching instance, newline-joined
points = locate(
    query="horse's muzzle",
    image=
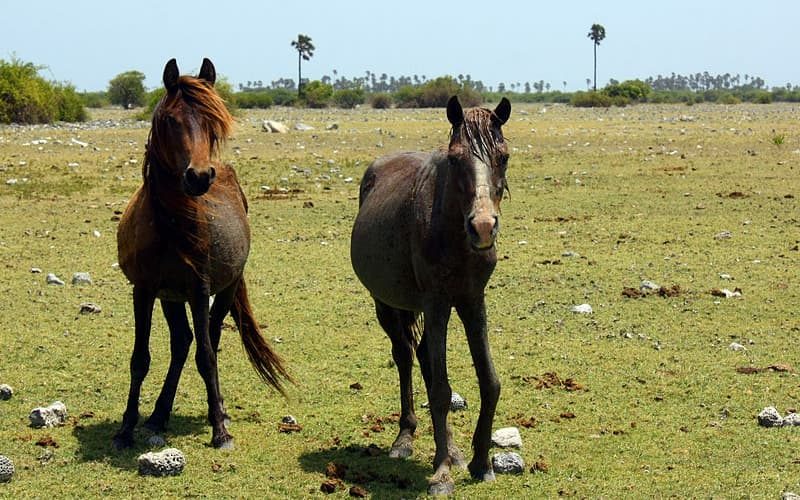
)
(482, 231)
(196, 182)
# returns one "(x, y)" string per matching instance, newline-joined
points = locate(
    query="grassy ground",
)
(637, 193)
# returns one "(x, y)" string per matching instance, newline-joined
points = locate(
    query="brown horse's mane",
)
(477, 133)
(182, 220)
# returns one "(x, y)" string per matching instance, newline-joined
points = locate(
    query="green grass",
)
(663, 411)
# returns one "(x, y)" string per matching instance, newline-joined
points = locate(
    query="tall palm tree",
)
(597, 34)
(305, 50)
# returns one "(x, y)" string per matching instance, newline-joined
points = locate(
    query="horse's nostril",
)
(191, 175)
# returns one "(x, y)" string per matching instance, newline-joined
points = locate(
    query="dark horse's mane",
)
(182, 220)
(476, 132)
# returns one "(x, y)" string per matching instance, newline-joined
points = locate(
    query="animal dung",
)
(6, 469)
(169, 462)
(49, 416)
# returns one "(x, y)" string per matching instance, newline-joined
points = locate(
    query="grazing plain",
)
(644, 397)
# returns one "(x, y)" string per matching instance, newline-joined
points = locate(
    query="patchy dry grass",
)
(656, 405)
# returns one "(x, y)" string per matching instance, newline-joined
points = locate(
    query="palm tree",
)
(597, 34)
(305, 50)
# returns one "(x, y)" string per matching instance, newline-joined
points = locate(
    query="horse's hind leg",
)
(143, 301)
(398, 325)
(180, 340)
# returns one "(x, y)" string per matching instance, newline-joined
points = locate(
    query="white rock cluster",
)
(6, 469)
(81, 279)
(168, 462)
(6, 392)
(49, 416)
(457, 402)
(274, 127)
(770, 417)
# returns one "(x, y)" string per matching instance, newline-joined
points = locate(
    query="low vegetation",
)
(26, 97)
(645, 397)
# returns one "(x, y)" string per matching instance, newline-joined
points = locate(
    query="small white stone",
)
(52, 279)
(582, 309)
(6, 469)
(507, 437)
(648, 285)
(457, 402)
(791, 419)
(50, 416)
(81, 279)
(735, 346)
(169, 462)
(6, 392)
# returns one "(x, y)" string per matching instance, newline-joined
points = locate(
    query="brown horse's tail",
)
(266, 362)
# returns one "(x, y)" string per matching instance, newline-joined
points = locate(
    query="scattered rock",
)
(36, 270)
(89, 308)
(791, 419)
(582, 309)
(332, 126)
(169, 462)
(81, 279)
(735, 346)
(457, 402)
(50, 416)
(6, 469)
(156, 441)
(769, 417)
(308, 204)
(788, 495)
(508, 463)
(725, 276)
(649, 285)
(507, 437)
(302, 127)
(289, 419)
(52, 279)
(716, 292)
(723, 235)
(570, 253)
(274, 127)
(6, 392)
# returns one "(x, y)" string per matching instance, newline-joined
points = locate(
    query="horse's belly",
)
(381, 259)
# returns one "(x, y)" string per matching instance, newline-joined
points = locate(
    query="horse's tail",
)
(264, 359)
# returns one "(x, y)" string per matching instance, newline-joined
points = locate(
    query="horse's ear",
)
(207, 71)
(455, 113)
(503, 111)
(171, 74)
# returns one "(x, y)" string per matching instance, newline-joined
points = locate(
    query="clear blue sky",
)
(89, 42)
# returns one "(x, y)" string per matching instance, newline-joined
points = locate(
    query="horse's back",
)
(384, 232)
(154, 256)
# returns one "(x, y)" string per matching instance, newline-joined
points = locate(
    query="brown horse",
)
(423, 243)
(184, 237)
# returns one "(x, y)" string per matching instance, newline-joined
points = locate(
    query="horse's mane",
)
(182, 220)
(482, 139)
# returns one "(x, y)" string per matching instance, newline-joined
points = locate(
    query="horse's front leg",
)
(473, 315)
(439, 394)
(143, 301)
(206, 359)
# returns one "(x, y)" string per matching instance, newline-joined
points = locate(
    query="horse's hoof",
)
(122, 442)
(223, 443)
(401, 451)
(441, 488)
(481, 473)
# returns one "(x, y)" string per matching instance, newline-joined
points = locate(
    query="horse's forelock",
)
(477, 135)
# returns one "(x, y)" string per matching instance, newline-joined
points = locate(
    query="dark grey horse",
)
(422, 244)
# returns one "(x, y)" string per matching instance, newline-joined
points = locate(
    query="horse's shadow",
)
(369, 467)
(95, 440)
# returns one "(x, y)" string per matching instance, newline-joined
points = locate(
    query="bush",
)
(283, 97)
(629, 90)
(380, 101)
(127, 89)
(591, 99)
(317, 94)
(26, 97)
(348, 98)
(94, 99)
(260, 99)
(408, 97)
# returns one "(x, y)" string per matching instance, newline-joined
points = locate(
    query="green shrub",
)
(762, 97)
(408, 97)
(127, 89)
(26, 97)
(629, 91)
(94, 99)
(728, 98)
(591, 99)
(380, 100)
(317, 94)
(260, 99)
(283, 97)
(348, 98)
